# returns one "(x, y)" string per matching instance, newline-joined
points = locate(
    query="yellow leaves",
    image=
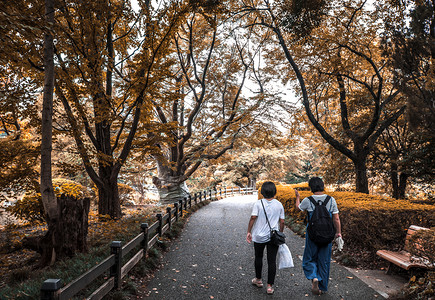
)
(30, 207)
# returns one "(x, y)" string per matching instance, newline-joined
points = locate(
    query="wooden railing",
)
(52, 288)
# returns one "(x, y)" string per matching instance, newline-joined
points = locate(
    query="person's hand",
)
(337, 235)
(249, 237)
(297, 194)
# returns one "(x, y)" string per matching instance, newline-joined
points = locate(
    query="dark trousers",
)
(272, 251)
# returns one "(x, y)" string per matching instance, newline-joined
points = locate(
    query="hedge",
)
(368, 222)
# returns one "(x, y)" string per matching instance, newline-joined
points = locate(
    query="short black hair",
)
(268, 190)
(316, 184)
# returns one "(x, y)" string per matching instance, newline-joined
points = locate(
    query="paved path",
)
(212, 260)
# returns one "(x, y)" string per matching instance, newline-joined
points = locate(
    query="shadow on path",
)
(212, 260)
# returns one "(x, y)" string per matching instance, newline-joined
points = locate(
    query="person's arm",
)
(298, 199)
(281, 225)
(337, 225)
(249, 234)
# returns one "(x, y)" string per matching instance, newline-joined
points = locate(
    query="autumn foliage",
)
(30, 207)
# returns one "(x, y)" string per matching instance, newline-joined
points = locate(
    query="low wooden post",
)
(50, 289)
(185, 203)
(176, 211)
(190, 201)
(168, 210)
(232, 191)
(240, 190)
(115, 270)
(195, 197)
(220, 193)
(209, 193)
(144, 229)
(181, 207)
(159, 219)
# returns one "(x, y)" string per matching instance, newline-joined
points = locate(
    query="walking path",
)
(212, 260)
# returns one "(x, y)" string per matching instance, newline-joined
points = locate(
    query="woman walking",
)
(317, 258)
(259, 233)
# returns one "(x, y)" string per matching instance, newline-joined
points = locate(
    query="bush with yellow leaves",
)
(259, 183)
(30, 207)
(368, 222)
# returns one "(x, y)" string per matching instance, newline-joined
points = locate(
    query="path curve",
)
(212, 260)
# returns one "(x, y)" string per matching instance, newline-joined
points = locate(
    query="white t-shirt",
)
(308, 206)
(274, 210)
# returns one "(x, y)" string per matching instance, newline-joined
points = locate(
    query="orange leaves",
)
(30, 207)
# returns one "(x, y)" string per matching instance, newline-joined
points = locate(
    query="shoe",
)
(270, 290)
(315, 288)
(257, 282)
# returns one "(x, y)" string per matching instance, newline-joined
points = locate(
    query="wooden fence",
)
(52, 288)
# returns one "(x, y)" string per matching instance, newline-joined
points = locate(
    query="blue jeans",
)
(316, 262)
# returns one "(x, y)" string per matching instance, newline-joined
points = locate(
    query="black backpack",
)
(321, 229)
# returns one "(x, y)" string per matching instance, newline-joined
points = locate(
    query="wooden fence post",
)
(185, 203)
(190, 201)
(50, 289)
(159, 219)
(115, 270)
(168, 210)
(144, 229)
(176, 211)
(232, 191)
(181, 207)
(195, 197)
(209, 194)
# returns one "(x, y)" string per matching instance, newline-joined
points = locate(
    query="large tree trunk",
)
(108, 197)
(46, 184)
(361, 180)
(68, 235)
(170, 189)
(170, 185)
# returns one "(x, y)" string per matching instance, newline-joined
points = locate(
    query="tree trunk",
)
(108, 195)
(402, 185)
(68, 235)
(170, 189)
(46, 184)
(394, 180)
(361, 181)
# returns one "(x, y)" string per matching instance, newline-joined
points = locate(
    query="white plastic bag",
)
(285, 259)
(340, 243)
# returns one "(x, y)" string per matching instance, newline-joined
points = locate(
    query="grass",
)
(20, 282)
